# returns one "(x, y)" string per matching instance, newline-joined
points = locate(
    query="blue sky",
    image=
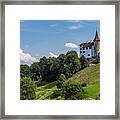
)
(40, 38)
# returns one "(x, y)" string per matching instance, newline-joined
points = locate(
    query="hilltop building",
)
(91, 49)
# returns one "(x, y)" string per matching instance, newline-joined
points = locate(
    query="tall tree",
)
(24, 71)
(35, 71)
(83, 62)
(27, 89)
(61, 81)
(73, 61)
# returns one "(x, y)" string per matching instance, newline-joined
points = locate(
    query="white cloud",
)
(74, 27)
(52, 54)
(26, 57)
(71, 45)
(53, 25)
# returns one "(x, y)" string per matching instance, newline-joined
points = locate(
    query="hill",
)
(91, 77)
(88, 77)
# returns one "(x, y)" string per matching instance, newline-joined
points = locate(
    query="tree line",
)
(49, 69)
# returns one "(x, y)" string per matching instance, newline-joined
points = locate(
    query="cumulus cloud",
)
(71, 45)
(26, 57)
(52, 54)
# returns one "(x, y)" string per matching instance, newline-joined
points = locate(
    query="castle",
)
(91, 49)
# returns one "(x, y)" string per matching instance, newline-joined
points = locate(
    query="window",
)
(80, 51)
(83, 51)
(88, 54)
(80, 48)
(86, 48)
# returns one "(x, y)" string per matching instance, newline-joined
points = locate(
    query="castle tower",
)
(96, 44)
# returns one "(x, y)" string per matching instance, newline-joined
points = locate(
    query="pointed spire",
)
(96, 36)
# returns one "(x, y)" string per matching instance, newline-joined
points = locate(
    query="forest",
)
(67, 77)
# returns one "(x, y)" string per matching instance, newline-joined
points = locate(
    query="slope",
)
(89, 76)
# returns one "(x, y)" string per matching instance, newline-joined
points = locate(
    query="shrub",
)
(73, 92)
(84, 84)
(83, 62)
(24, 71)
(61, 80)
(55, 94)
(27, 89)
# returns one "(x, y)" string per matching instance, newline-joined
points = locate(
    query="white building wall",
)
(87, 53)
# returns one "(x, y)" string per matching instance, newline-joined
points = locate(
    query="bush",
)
(24, 71)
(61, 80)
(55, 94)
(84, 84)
(73, 92)
(83, 62)
(27, 89)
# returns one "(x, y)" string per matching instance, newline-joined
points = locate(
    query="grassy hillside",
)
(45, 91)
(90, 76)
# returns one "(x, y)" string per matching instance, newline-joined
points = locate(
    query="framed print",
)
(59, 59)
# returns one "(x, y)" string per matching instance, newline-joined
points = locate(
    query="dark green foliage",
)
(73, 92)
(67, 71)
(70, 63)
(62, 60)
(24, 71)
(83, 62)
(73, 61)
(27, 89)
(57, 93)
(84, 84)
(49, 69)
(35, 72)
(61, 81)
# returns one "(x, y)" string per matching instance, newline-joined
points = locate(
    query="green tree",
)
(67, 71)
(24, 71)
(73, 91)
(62, 60)
(72, 61)
(27, 89)
(61, 81)
(50, 69)
(43, 68)
(83, 62)
(35, 71)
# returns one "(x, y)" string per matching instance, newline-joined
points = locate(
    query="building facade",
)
(91, 49)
